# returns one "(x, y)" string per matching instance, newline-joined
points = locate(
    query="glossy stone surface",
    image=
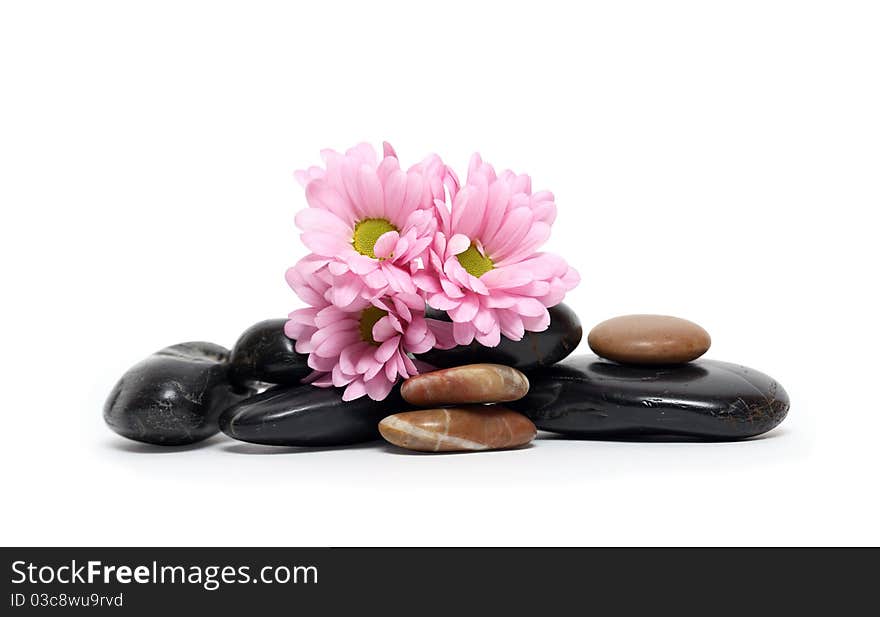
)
(587, 396)
(649, 339)
(264, 354)
(174, 396)
(458, 429)
(471, 383)
(536, 349)
(306, 415)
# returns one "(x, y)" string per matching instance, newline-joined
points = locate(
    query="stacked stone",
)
(647, 380)
(463, 412)
(254, 393)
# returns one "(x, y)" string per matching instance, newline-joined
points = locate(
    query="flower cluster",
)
(385, 242)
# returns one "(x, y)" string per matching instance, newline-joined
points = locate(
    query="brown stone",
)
(472, 383)
(649, 339)
(458, 429)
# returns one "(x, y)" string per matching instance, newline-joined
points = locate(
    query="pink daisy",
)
(363, 347)
(369, 222)
(485, 270)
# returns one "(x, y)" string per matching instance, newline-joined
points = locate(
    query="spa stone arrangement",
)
(433, 322)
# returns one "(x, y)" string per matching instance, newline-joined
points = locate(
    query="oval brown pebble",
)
(649, 339)
(458, 429)
(472, 383)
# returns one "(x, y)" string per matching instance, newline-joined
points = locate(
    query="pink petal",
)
(511, 325)
(451, 289)
(348, 360)
(345, 291)
(537, 324)
(484, 319)
(383, 330)
(320, 194)
(360, 264)
(442, 331)
(355, 389)
(491, 338)
(534, 238)
(459, 207)
(466, 310)
(321, 379)
(507, 277)
(387, 349)
(399, 279)
(542, 266)
(333, 346)
(499, 195)
(420, 344)
(529, 307)
(324, 243)
(340, 378)
(471, 212)
(320, 363)
(387, 150)
(514, 227)
(441, 302)
(379, 387)
(401, 247)
(459, 275)
(463, 333)
(412, 199)
(426, 282)
(534, 289)
(316, 219)
(338, 268)
(376, 280)
(443, 216)
(403, 310)
(414, 300)
(391, 370)
(372, 198)
(385, 244)
(374, 368)
(395, 191)
(408, 366)
(365, 153)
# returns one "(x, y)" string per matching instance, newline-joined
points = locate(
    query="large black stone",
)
(536, 349)
(263, 353)
(588, 397)
(174, 396)
(306, 415)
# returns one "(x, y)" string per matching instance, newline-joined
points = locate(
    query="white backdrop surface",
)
(717, 161)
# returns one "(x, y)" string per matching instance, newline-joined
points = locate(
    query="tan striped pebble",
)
(472, 383)
(452, 429)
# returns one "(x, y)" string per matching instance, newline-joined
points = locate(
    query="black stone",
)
(174, 396)
(536, 349)
(589, 397)
(264, 354)
(306, 415)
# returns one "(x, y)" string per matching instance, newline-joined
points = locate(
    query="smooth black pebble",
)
(536, 349)
(174, 396)
(264, 354)
(306, 415)
(589, 397)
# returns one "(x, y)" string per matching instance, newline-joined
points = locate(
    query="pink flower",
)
(485, 271)
(369, 222)
(362, 347)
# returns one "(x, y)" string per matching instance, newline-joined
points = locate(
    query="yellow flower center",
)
(475, 262)
(369, 317)
(366, 232)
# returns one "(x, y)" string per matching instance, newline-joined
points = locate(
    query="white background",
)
(713, 160)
